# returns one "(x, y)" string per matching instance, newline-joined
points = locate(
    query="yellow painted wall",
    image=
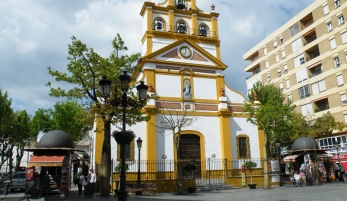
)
(225, 135)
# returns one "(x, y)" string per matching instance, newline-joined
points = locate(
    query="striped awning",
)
(315, 64)
(309, 32)
(46, 161)
(290, 158)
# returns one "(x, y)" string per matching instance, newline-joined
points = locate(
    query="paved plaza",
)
(328, 192)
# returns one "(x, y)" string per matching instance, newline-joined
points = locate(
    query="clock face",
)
(185, 52)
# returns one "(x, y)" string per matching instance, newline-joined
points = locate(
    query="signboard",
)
(275, 166)
(30, 174)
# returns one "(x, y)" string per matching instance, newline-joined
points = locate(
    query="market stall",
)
(49, 167)
(304, 157)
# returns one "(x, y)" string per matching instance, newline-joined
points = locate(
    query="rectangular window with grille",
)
(337, 3)
(341, 20)
(293, 30)
(329, 26)
(336, 61)
(304, 92)
(129, 151)
(243, 147)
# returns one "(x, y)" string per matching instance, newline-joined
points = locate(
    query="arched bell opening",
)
(180, 4)
(181, 27)
(203, 30)
(158, 24)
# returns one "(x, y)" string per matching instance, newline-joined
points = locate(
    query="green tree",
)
(68, 116)
(6, 115)
(86, 68)
(21, 135)
(250, 165)
(272, 114)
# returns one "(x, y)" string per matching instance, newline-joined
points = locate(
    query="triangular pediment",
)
(199, 56)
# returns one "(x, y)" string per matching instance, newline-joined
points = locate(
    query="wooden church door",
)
(190, 150)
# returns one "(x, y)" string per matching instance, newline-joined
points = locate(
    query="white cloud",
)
(35, 34)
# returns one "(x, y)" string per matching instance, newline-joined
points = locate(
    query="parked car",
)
(4, 176)
(18, 181)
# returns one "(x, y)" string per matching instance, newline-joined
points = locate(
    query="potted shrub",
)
(249, 165)
(190, 167)
(123, 137)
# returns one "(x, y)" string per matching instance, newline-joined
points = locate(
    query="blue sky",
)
(34, 34)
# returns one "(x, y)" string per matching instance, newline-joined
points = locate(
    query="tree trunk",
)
(266, 169)
(316, 164)
(250, 172)
(179, 168)
(105, 166)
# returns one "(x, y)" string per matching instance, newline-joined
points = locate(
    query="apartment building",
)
(307, 59)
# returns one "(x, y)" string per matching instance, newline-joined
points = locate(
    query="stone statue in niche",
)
(187, 94)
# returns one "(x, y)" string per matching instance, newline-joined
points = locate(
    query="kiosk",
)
(49, 168)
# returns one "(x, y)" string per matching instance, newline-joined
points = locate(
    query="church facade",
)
(182, 66)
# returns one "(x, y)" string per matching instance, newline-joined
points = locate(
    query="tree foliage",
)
(68, 116)
(6, 115)
(86, 68)
(274, 115)
(22, 134)
(325, 125)
(15, 131)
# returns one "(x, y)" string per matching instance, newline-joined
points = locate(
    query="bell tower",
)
(169, 21)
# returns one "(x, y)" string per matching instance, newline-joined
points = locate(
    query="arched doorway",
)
(190, 150)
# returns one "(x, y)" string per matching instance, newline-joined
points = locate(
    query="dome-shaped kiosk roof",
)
(56, 139)
(304, 143)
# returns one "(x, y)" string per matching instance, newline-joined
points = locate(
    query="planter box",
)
(252, 186)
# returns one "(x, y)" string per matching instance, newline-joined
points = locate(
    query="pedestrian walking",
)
(81, 181)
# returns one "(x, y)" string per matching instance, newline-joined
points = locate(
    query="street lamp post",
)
(105, 86)
(278, 145)
(139, 145)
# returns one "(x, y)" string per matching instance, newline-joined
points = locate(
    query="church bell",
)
(180, 4)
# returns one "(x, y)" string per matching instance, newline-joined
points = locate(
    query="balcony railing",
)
(316, 73)
(312, 55)
(308, 23)
(310, 40)
(255, 58)
(322, 108)
(256, 72)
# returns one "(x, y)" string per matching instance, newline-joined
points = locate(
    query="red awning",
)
(321, 98)
(342, 157)
(309, 32)
(315, 64)
(46, 161)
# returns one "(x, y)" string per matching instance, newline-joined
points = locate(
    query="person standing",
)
(92, 178)
(89, 175)
(81, 181)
